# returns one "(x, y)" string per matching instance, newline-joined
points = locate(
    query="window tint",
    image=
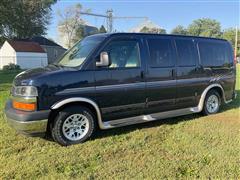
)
(213, 53)
(186, 52)
(160, 52)
(124, 53)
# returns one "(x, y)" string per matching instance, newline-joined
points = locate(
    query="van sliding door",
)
(160, 77)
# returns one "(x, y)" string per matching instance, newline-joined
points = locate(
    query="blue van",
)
(111, 80)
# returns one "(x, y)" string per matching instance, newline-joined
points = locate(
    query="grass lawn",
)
(186, 147)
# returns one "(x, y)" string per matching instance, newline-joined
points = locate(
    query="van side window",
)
(161, 52)
(187, 55)
(123, 54)
(213, 53)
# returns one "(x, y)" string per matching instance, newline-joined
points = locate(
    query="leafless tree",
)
(70, 20)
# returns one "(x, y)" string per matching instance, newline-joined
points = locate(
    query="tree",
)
(153, 30)
(229, 34)
(84, 30)
(25, 18)
(79, 34)
(205, 27)
(70, 22)
(2, 39)
(179, 30)
(102, 29)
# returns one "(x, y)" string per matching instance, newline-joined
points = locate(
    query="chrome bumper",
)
(30, 123)
(30, 127)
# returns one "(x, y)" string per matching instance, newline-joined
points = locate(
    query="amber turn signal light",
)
(24, 106)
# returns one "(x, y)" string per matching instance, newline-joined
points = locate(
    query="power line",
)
(109, 17)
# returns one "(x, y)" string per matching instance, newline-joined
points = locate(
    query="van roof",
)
(153, 34)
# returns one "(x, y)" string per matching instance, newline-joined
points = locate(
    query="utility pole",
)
(109, 16)
(236, 44)
(110, 20)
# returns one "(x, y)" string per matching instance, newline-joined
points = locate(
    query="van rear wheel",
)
(212, 103)
(73, 125)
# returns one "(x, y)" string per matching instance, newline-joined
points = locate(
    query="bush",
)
(11, 66)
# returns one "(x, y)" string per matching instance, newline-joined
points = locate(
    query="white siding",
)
(29, 60)
(26, 60)
(7, 55)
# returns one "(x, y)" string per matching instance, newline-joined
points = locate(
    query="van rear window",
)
(187, 55)
(214, 53)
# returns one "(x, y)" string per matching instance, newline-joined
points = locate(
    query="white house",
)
(53, 50)
(25, 54)
(146, 23)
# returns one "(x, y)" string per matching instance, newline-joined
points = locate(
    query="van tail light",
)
(24, 106)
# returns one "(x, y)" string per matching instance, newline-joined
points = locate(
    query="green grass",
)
(184, 148)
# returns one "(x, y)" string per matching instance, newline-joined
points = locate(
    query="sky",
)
(166, 14)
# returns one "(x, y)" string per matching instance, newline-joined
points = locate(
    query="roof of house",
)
(40, 40)
(22, 46)
(44, 41)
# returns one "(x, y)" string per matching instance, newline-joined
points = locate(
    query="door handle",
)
(142, 75)
(173, 72)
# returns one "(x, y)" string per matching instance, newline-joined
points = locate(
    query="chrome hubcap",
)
(75, 127)
(212, 103)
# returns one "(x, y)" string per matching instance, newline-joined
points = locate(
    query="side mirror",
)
(104, 60)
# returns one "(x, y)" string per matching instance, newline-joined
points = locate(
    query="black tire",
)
(61, 137)
(211, 93)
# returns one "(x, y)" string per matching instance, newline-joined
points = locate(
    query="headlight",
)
(24, 98)
(27, 91)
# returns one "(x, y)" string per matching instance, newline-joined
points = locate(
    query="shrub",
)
(11, 66)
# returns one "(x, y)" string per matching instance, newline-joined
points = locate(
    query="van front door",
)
(120, 88)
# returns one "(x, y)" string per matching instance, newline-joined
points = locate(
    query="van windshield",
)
(80, 51)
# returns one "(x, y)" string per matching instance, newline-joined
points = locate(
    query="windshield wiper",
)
(56, 65)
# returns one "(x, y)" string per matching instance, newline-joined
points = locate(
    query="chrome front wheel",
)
(75, 127)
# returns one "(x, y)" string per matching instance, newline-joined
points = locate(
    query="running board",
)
(147, 118)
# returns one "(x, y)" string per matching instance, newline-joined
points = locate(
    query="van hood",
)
(26, 77)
